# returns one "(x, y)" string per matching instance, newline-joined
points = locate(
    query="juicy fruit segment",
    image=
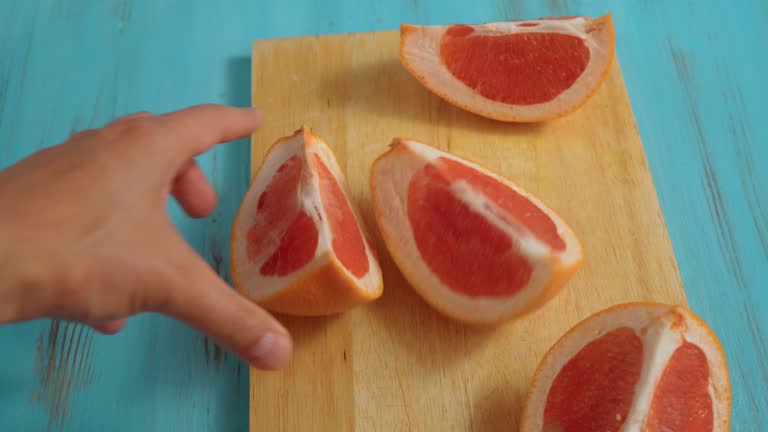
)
(474, 245)
(604, 373)
(297, 247)
(511, 203)
(638, 366)
(529, 68)
(347, 243)
(279, 217)
(682, 401)
(297, 244)
(462, 246)
(520, 71)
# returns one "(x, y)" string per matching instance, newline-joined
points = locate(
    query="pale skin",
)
(85, 235)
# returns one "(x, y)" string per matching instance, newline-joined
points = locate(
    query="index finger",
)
(196, 129)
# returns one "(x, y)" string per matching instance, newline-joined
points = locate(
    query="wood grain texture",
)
(396, 364)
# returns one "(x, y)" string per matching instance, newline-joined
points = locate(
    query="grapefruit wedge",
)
(633, 367)
(521, 71)
(298, 245)
(476, 246)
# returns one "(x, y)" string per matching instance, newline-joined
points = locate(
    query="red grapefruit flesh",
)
(607, 369)
(476, 246)
(632, 367)
(467, 252)
(682, 401)
(521, 71)
(348, 244)
(530, 68)
(298, 246)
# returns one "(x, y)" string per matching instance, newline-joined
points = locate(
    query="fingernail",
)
(108, 327)
(271, 351)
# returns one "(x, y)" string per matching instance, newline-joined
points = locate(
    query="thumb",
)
(108, 327)
(211, 306)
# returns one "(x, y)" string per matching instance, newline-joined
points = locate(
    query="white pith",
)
(392, 175)
(421, 53)
(248, 274)
(665, 329)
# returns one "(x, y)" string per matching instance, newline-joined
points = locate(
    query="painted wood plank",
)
(68, 65)
(703, 147)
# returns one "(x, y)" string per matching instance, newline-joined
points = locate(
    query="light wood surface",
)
(396, 364)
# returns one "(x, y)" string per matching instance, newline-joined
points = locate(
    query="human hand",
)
(85, 236)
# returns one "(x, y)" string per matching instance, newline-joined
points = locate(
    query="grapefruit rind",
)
(420, 55)
(390, 177)
(663, 328)
(322, 286)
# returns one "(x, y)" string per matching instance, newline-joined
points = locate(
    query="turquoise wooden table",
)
(695, 76)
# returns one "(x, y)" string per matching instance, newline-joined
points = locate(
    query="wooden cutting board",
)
(396, 364)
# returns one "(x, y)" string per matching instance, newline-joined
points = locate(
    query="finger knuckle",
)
(83, 135)
(141, 126)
